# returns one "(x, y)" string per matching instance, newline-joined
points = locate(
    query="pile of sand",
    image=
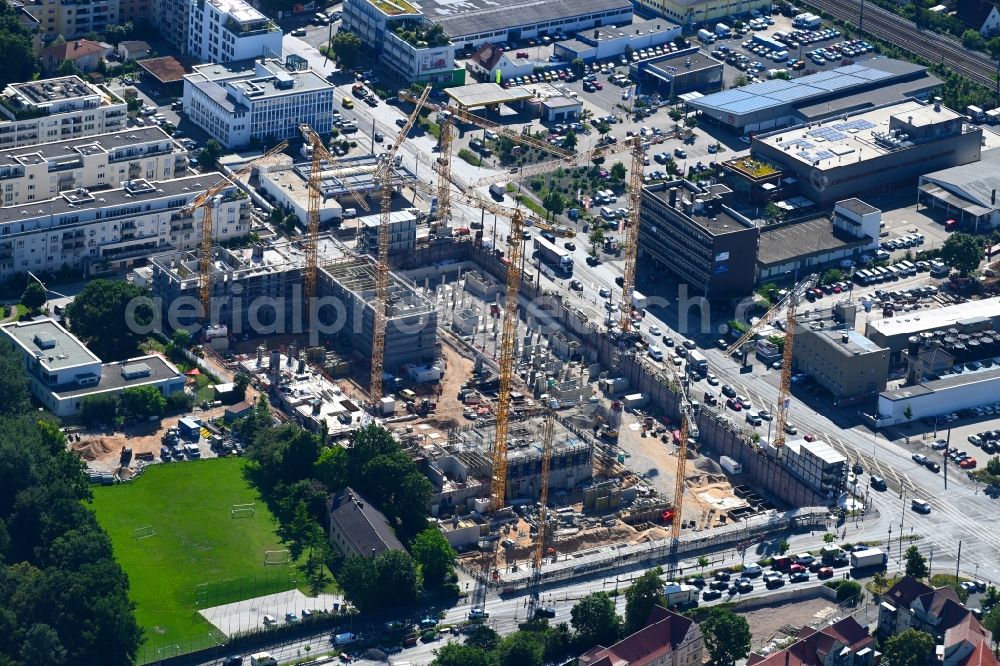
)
(91, 449)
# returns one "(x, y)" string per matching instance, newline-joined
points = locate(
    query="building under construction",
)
(259, 291)
(461, 468)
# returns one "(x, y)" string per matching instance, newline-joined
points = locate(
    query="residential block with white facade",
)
(228, 30)
(258, 99)
(54, 109)
(103, 231)
(104, 161)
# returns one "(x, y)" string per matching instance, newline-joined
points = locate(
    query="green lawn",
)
(200, 555)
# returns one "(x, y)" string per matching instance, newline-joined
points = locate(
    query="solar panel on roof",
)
(793, 94)
(872, 74)
(824, 155)
(750, 104)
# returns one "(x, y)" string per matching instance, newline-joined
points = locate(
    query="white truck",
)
(679, 594)
(723, 30)
(872, 558)
(263, 659)
(639, 302)
(554, 255)
(706, 37)
(497, 190)
(345, 638)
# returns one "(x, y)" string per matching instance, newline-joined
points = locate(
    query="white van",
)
(607, 213)
(655, 353)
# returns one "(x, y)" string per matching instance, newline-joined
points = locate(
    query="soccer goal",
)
(276, 557)
(243, 510)
(143, 532)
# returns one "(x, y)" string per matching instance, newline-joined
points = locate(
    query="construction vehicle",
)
(205, 202)
(383, 177)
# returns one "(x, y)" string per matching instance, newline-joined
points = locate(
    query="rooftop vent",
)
(135, 371)
(44, 341)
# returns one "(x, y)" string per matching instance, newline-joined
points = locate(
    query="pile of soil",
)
(92, 449)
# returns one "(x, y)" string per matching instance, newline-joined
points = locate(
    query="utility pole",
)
(930, 565)
(902, 517)
(861, 17)
(947, 446)
(958, 562)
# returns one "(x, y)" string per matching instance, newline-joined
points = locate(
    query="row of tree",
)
(63, 598)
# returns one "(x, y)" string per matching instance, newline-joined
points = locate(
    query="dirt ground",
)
(765, 621)
(101, 450)
(458, 369)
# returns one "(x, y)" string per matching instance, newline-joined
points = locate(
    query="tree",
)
(596, 239)
(783, 546)
(13, 382)
(118, 33)
(603, 127)
(831, 275)
(554, 202)
(299, 532)
(909, 648)
(43, 647)
(357, 579)
(435, 556)
(569, 141)
(521, 648)
(454, 654)
(908, 412)
(675, 114)
(740, 81)
(142, 402)
(34, 296)
(346, 46)
(67, 68)
(99, 408)
(691, 121)
(992, 622)
(19, 62)
(595, 620)
(916, 564)
(208, 155)
(240, 384)
(773, 213)
(702, 563)
(181, 338)
(578, 66)
(640, 597)
(618, 171)
(849, 590)
(962, 251)
(727, 636)
(396, 578)
(483, 637)
(101, 316)
(971, 39)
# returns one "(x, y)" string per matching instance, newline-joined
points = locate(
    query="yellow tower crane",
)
(204, 201)
(548, 430)
(383, 177)
(316, 175)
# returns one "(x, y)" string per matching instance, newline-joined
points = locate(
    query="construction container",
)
(731, 466)
(387, 406)
(634, 401)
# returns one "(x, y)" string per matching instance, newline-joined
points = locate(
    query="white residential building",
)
(262, 100)
(53, 109)
(62, 372)
(103, 231)
(229, 30)
(106, 160)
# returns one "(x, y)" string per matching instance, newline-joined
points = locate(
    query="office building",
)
(689, 12)
(54, 109)
(843, 642)
(74, 18)
(773, 104)
(240, 102)
(894, 332)
(966, 193)
(358, 529)
(230, 30)
(62, 372)
(692, 234)
(791, 250)
(104, 231)
(479, 21)
(103, 161)
(817, 465)
(937, 397)
(667, 639)
(678, 73)
(875, 151)
(420, 52)
(844, 362)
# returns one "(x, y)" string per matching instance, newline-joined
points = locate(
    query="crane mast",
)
(785, 385)
(383, 177)
(548, 429)
(632, 232)
(443, 168)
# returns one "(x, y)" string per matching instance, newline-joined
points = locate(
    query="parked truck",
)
(872, 558)
(679, 594)
(723, 30)
(263, 659)
(706, 37)
(554, 255)
(639, 302)
(497, 190)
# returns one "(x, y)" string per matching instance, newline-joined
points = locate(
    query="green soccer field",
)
(198, 556)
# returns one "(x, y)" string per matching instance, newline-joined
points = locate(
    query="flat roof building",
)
(894, 332)
(241, 101)
(230, 30)
(844, 362)
(966, 193)
(873, 151)
(103, 161)
(679, 73)
(54, 109)
(103, 231)
(939, 396)
(689, 12)
(609, 41)
(772, 104)
(691, 233)
(62, 372)
(816, 464)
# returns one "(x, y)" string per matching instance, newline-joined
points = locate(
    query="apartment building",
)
(229, 30)
(135, 10)
(103, 161)
(54, 109)
(817, 464)
(841, 643)
(668, 639)
(173, 19)
(268, 99)
(74, 18)
(695, 237)
(62, 372)
(103, 231)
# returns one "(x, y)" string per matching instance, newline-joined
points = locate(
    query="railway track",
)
(889, 27)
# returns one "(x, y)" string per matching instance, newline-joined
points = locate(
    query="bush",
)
(470, 157)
